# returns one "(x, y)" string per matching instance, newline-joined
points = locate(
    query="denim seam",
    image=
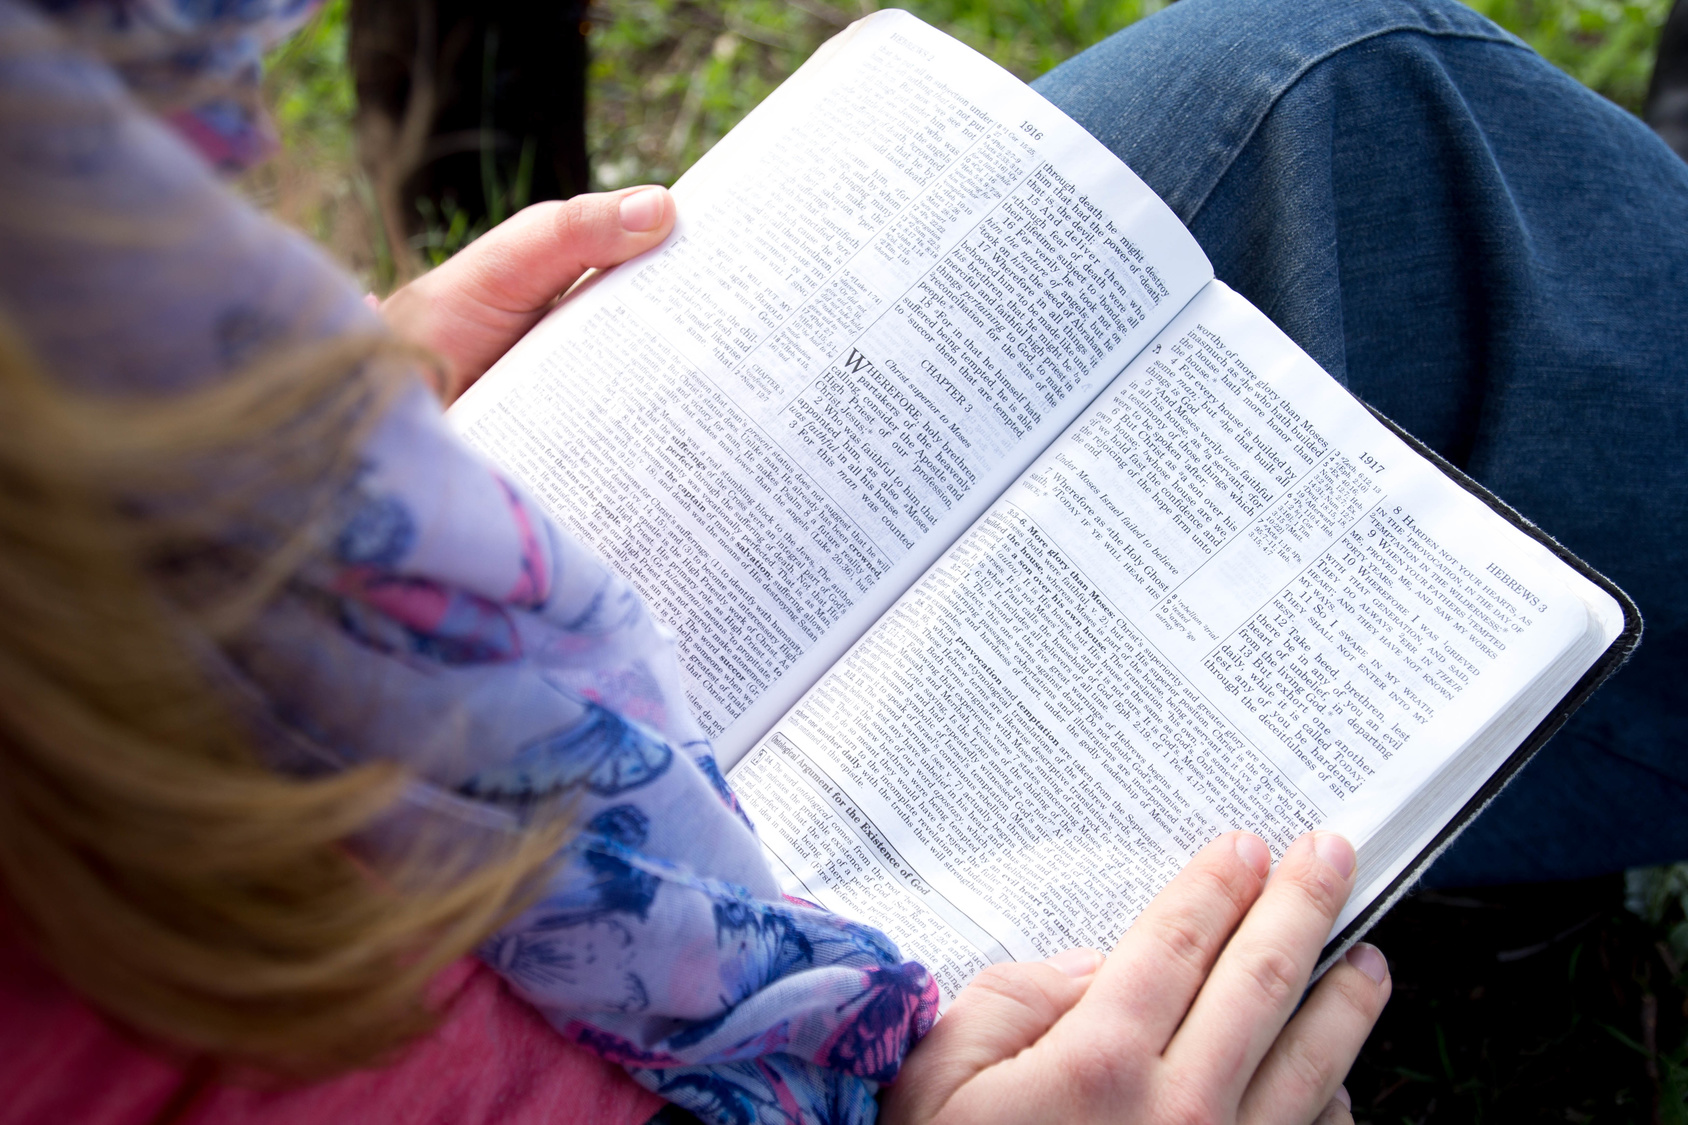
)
(1504, 39)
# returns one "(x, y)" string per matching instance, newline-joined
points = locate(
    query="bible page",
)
(1227, 597)
(887, 291)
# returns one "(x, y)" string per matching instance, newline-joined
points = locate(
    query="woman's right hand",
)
(1187, 1021)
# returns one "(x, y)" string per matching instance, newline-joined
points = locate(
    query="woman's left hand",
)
(1196, 1017)
(471, 309)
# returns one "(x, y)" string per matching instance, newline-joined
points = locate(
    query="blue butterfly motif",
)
(698, 1032)
(843, 942)
(371, 628)
(540, 960)
(578, 932)
(768, 944)
(872, 942)
(474, 631)
(711, 770)
(901, 1004)
(712, 1097)
(777, 1089)
(603, 752)
(614, 1047)
(380, 533)
(612, 606)
(627, 825)
(831, 1098)
(615, 887)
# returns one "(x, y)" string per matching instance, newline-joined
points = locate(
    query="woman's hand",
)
(471, 309)
(1184, 1022)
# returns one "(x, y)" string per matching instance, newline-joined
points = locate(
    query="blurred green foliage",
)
(1659, 895)
(314, 182)
(670, 77)
(1607, 45)
(1029, 37)
(311, 92)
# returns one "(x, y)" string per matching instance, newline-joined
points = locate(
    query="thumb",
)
(1006, 1009)
(521, 265)
(470, 309)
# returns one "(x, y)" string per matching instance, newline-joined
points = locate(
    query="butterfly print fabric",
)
(450, 624)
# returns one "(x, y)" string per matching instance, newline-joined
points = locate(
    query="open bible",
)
(1013, 556)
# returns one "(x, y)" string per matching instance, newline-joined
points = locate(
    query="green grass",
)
(1607, 45)
(670, 77)
(314, 182)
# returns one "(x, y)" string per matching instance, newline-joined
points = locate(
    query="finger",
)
(473, 307)
(1006, 1009)
(1305, 1067)
(1157, 968)
(1256, 982)
(522, 264)
(1338, 1111)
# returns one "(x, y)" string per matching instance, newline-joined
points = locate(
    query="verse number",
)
(1031, 130)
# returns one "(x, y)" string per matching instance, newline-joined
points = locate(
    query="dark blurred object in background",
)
(1545, 1002)
(1667, 97)
(468, 110)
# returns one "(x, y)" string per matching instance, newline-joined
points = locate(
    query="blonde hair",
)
(147, 851)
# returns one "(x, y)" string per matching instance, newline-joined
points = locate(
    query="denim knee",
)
(1178, 95)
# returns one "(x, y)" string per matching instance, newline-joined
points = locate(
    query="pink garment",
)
(494, 1061)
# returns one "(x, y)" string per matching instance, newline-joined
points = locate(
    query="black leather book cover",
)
(1610, 661)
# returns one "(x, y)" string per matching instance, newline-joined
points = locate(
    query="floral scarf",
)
(455, 627)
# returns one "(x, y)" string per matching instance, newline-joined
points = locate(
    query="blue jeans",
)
(1497, 259)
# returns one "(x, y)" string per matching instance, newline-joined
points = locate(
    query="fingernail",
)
(1369, 960)
(1076, 962)
(1336, 851)
(1253, 851)
(1342, 1096)
(643, 210)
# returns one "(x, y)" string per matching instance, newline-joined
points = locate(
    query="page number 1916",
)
(1033, 131)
